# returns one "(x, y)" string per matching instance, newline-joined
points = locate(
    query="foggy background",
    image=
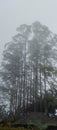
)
(13, 13)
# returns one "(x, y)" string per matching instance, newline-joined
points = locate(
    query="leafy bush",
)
(40, 126)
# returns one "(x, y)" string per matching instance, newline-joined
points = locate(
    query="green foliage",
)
(40, 126)
(51, 102)
(30, 121)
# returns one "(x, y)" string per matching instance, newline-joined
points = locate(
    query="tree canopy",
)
(29, 68)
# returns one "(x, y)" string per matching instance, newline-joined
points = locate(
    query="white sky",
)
(13, 13)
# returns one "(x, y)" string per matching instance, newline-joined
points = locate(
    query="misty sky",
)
(13, 13)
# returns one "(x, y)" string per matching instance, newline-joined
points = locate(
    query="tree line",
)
(28, 69)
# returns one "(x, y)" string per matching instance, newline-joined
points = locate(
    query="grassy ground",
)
(8, 128)
(39, 126)
(40, 120)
